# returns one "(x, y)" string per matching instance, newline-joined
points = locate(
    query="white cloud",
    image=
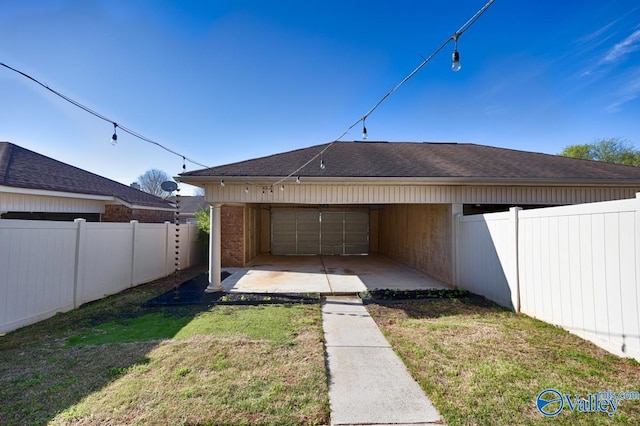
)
(629, 92)
(626, 46)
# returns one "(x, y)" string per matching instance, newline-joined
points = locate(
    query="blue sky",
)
(228, 80)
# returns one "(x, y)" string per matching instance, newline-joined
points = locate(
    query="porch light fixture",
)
(114, 137)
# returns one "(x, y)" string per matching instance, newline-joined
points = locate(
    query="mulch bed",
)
(192, 292)
(387, 295)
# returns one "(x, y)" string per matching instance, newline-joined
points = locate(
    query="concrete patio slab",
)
(369, 384)
(326, 275)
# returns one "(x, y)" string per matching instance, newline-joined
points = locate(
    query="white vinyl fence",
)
(48, 267)
(574, 266)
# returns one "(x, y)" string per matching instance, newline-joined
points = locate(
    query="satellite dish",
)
(169, 186)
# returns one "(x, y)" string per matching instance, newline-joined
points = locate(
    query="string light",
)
(102, 117)
(455, 67)
(298, 180)
(221, 182)
(282, 188)
(455, 56)
(246, 189)
(114, 137)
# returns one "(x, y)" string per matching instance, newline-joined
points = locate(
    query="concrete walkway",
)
(369, 384)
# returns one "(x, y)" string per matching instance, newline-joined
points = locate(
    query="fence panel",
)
(108, 254)
(574, 266)
(49, 267)
(486, 263)
(150, 252)
(37, 267)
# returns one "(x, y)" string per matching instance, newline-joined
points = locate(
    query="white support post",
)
(215, 247)
(78, 275)
(134, 240)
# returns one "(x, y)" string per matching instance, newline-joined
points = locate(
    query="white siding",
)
(41, 203)
(326, 193)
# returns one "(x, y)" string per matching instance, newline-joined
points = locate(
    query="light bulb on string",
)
(298, 180)
(221, 182)
(282, 188)
(114, 137)
(455, 56)
(322, 166)
(246, 189)
(364, 130)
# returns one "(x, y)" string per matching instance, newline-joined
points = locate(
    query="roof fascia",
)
(267, 181)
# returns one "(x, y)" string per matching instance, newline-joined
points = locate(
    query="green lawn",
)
(483, 365)
(114, 362)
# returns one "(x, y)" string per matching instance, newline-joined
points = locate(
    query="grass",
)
(483, 365)
(114, 362)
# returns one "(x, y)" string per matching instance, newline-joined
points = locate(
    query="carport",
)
(328, 274)
(368, 199)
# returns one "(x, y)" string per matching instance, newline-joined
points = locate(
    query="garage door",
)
(314, 232)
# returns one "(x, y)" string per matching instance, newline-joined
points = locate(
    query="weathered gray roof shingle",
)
(424, 160)
(22, 168)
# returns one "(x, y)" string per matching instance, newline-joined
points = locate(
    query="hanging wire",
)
(454, 37)
(102, 117)
(362, 119)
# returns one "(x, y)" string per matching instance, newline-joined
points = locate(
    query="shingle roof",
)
(425, 160)
(189, 204)
(22, 168)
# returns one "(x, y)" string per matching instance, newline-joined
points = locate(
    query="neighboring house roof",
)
(22, 168)
(446, 161)
(189, 204)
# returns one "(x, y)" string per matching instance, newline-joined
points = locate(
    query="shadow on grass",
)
(48, 368)
(468, 305)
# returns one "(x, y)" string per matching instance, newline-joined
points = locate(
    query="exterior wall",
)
(120, 213)
(232, 223)
(10, 202)
(419, 236)
(252, 232)
(415, 193)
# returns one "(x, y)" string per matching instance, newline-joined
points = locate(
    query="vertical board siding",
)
(41, 262)
(406, 193)
(578, 267)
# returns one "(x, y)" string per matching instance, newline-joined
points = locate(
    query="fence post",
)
(134, 242)
(78, 275)
(515, 270)
(167, 251)
(456, 214)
